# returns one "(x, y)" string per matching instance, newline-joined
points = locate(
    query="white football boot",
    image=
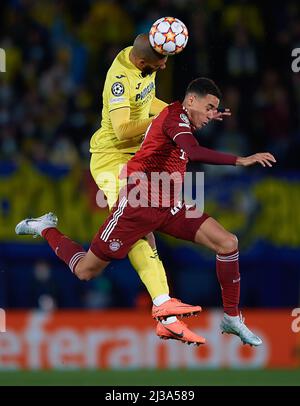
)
(235, 325)
(35, 226)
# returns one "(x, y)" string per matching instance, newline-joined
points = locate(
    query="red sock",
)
(229, 279)
(67, 250)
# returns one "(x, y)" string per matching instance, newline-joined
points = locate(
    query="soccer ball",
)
(168, 36)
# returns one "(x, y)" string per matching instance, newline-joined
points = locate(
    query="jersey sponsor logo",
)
(184, 118)
(117, 89)
(138, 86)
(115, 244)
(117, 100)
(144, 92)
(120, 76)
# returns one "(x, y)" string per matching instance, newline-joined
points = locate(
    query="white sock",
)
(169, 320)
(159, 300)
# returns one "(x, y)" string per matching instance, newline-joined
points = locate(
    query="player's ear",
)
(191, 98)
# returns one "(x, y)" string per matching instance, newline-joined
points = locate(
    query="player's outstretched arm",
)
(125, 128)
(195, 152)
(263, 158)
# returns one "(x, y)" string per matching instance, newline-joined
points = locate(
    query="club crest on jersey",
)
(117, 89)
(115, 244)
(184, 118)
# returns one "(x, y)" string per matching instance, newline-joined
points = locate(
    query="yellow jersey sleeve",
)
(157, 106)
(125, 88)
(117, 92)
(125, 128)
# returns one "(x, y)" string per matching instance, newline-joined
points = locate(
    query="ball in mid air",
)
(168, 36)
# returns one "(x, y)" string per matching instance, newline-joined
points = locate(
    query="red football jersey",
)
(159, 154)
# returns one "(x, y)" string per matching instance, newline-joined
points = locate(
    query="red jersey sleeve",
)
(176, 123)
(196, 152)
(177, 127)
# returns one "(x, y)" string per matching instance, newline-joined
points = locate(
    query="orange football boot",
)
(178, 331)
(174, 307)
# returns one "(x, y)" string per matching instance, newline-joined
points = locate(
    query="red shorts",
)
(127, 224)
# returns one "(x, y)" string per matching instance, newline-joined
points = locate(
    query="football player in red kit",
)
(169, 144)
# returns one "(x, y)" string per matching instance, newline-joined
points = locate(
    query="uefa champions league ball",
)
(168, 36)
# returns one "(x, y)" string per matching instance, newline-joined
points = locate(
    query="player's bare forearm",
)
(262, 158)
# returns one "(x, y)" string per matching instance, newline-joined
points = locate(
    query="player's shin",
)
(67, 250)
(143, 261)
(229, 278)
(162, 272)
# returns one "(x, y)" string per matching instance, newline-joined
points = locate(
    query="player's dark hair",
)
(143, 49)
(202, 87)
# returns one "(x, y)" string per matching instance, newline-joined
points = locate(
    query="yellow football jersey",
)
(124, 87)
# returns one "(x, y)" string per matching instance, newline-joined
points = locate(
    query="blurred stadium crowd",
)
(58, 53)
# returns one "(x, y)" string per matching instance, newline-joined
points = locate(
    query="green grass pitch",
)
(152, 378)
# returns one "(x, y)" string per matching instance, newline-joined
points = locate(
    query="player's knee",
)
(151, 240)
(229, 244)
(84, 273)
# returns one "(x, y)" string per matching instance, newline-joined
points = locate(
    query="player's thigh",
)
(122, 229)
(181, 225)
(213, 235)
(111, 192)
(92, 264)
(105, 169)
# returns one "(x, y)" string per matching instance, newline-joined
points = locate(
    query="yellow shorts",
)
(105, 169)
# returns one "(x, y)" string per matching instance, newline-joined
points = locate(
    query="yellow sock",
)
(145, 263)
(162, 272)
